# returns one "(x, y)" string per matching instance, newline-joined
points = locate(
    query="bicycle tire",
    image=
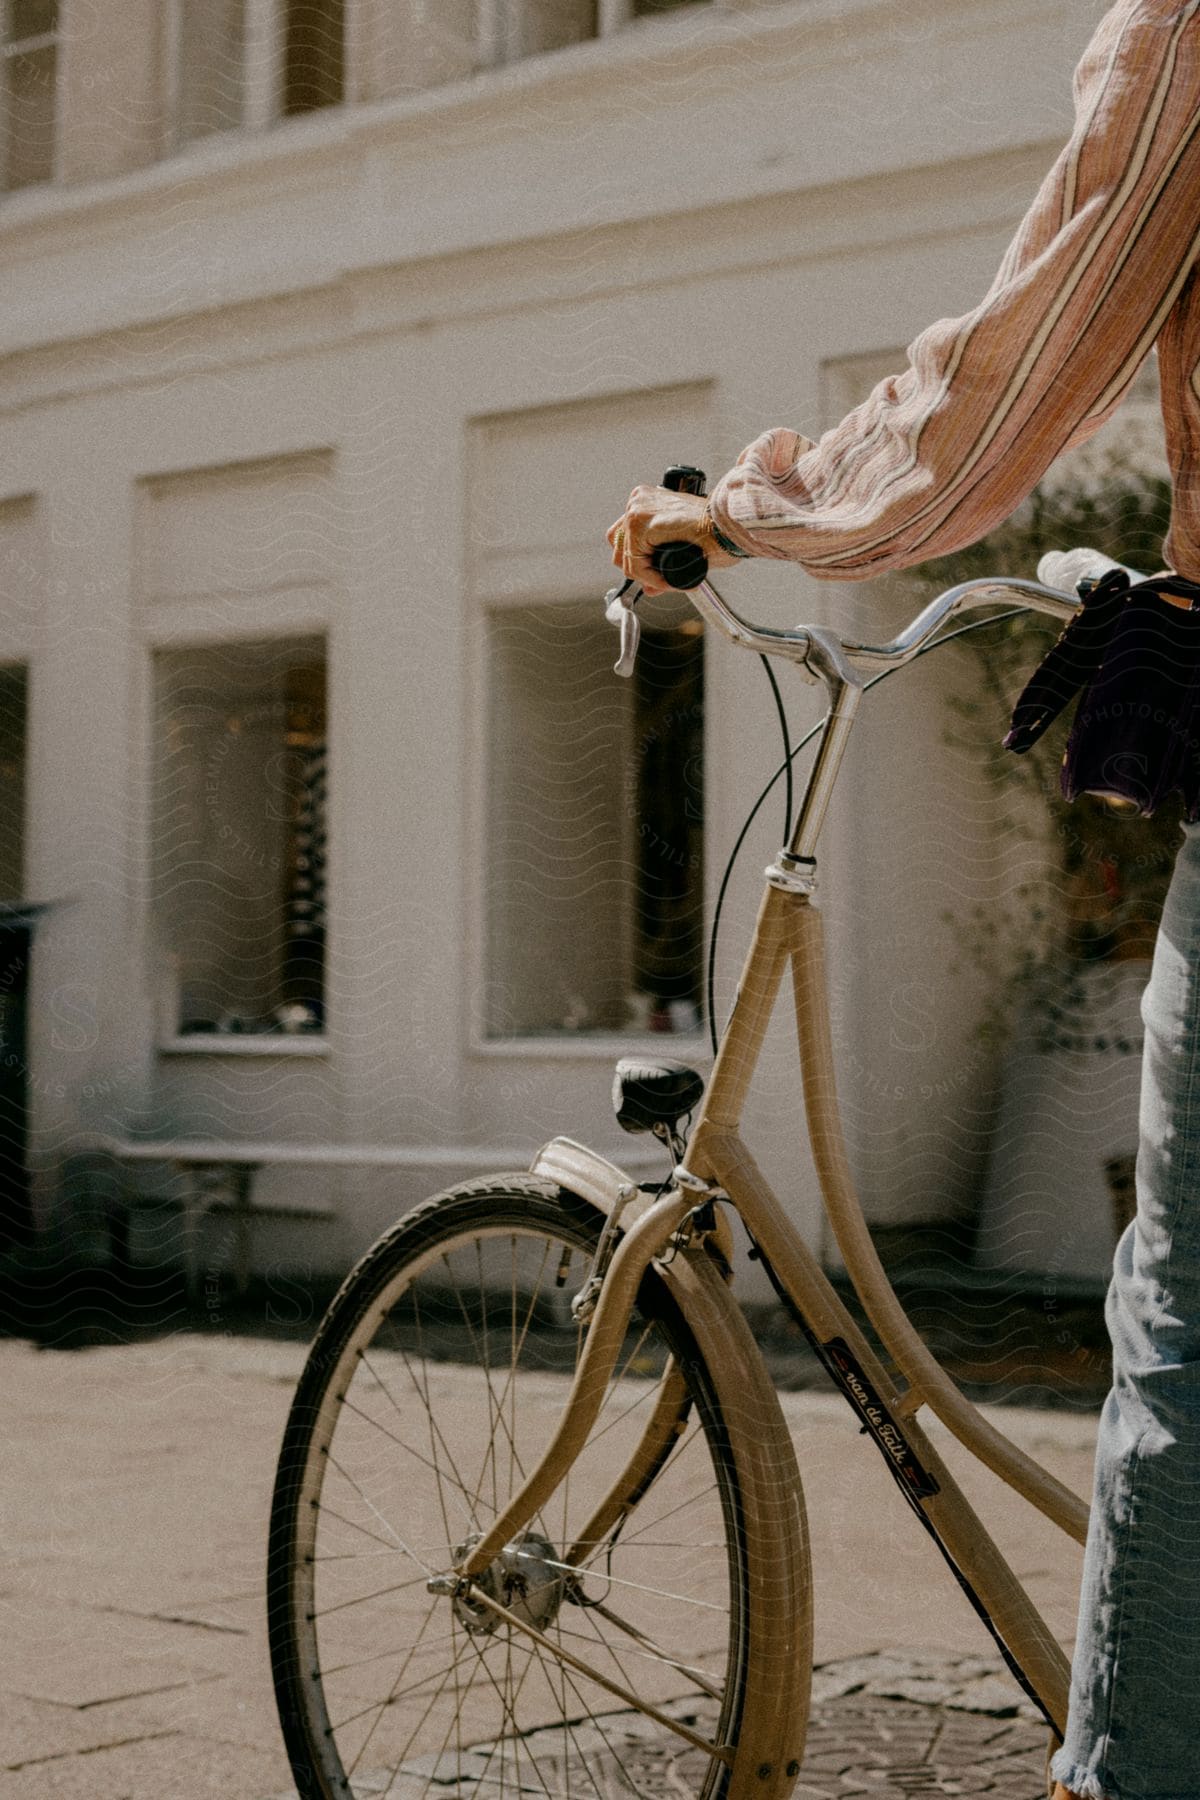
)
(481, 1720)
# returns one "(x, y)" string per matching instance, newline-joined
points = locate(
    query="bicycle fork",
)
(647, 1239)
(774, 1675)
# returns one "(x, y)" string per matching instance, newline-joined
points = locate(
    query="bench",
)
(219, 1177)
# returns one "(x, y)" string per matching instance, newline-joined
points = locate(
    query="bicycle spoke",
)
(424, 1393)
(424, 1460)
(362, 1662)
(487, 1366)
(597, 1637)
(514, 1460)
(328, 1513)
(454, 1720)
(332, 1556)
(631, 1408)
(568, 1725)
(598, 1727)
(396, 1693)
(652, 1653)
(643, 1587)
(630, 1537)
(375, 1510)
(324, 1612)
(506, 1705)
(516, 1465)
(455, 1717)
(621, 1692)
(496, 1417)
(384, 1704)
(428, 1709)
(519, 1737)
(496, 1420)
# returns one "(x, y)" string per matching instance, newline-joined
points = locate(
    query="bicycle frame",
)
(788, 935)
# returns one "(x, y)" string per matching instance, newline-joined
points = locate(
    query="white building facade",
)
(332, 340)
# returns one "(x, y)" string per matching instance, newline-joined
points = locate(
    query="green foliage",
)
(1099, 876)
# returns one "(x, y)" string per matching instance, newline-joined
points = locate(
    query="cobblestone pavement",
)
(887, 1726)
(902, 1725)
(895, 1748)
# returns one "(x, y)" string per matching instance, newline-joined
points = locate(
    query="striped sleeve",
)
(938, 455)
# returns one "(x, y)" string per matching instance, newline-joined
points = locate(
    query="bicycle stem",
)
(845, 694)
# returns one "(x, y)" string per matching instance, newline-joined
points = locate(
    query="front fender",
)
(586, 1173)
(583, 1172)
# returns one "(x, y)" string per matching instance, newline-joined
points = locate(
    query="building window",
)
(211, 63)
(509, 29)
(240, 828)
(13, 708)
(314, 59)
(595, 828)
(246, 63)
(30, 55)
(542, 25)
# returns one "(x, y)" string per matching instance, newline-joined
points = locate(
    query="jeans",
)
(1133, 1725)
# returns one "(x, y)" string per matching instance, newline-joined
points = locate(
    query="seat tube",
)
(770, 948)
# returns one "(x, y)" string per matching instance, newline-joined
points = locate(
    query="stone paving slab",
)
(133, 1517)
(167, 1764)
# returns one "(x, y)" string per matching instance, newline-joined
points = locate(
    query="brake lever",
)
(682, 565)
(619, 603)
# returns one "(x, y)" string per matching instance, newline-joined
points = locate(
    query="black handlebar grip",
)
(682, 478)
(682, 565)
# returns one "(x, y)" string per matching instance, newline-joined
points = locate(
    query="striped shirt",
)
(1102, 268)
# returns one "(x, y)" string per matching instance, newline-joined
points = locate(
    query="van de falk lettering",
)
(846, 1367)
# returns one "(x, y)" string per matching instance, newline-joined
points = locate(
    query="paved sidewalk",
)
(868, 1735)
(133, 1663)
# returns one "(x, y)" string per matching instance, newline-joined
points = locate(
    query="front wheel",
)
(434, 1382)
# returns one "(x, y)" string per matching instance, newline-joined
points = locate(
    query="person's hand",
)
(656, 515)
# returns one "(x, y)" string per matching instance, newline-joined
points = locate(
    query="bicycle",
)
(471, 1584)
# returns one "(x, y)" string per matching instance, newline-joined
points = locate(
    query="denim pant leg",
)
(1133, 1727)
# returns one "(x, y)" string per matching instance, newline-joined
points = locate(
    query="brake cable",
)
(785, 768)
(787, 748)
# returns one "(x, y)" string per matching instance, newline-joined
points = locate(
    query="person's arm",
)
(940, 454)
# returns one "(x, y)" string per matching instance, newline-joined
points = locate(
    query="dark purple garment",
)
(1136, 731)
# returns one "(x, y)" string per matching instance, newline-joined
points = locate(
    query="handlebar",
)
(1066, 568)
(819, 652)
(841, 664)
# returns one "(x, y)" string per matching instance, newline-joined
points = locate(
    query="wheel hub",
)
(526, 1579)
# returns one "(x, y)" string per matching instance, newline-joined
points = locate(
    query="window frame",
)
(264, 29)
(603, 1044)
(169, 1039)
(496, 30)
(16, 676)
(282, 23)
(11, 47)
(257, 29)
